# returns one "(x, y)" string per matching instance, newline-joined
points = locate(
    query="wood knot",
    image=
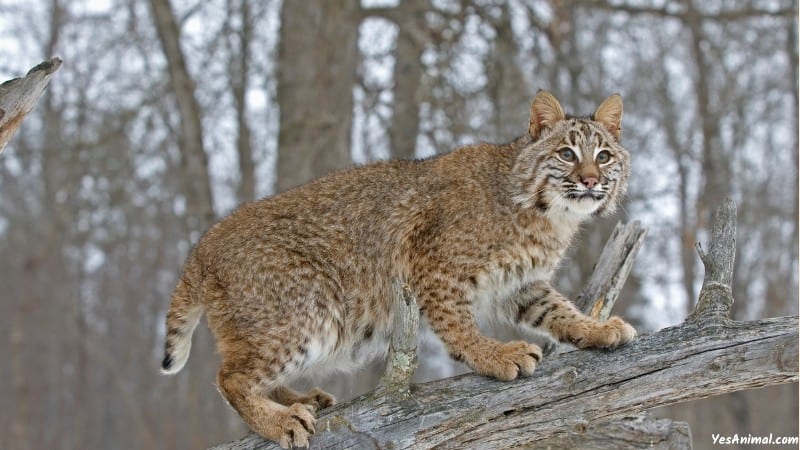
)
(581, 426)
(570, 375)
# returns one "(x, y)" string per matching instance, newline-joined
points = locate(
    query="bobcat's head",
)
(575, 165)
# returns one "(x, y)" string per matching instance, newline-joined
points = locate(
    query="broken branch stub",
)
(612, 269)
(19, 95)
(402, 360)
(716, 296)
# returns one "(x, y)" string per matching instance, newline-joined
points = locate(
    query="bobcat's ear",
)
(545, 112)
(609, 113)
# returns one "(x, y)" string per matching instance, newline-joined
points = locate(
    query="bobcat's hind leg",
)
(315, 398)
(244, 388)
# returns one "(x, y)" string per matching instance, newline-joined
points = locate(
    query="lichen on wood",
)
(402, 360)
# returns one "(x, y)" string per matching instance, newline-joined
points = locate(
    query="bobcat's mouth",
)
(587, 194)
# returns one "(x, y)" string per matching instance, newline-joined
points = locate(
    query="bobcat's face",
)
(586, 169)
(574, 166)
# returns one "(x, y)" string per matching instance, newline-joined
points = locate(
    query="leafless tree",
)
(165, 115)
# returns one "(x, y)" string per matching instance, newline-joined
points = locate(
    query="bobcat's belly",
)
(333, 350)
(496, 285)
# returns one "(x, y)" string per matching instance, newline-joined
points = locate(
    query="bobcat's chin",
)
(582, 204)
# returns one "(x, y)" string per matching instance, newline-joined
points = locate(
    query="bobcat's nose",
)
(589, 181)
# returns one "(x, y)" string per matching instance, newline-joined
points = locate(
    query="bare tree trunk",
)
(239, 68)
(317, 59)
(506, 84)
(203, 403)
(408, 72)
(194, 161)
(681, 155)
(792, 52)
(316, 74)
(17, 98)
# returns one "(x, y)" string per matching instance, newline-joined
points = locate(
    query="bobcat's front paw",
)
(613, 333)
(508, 361)
(293, 427)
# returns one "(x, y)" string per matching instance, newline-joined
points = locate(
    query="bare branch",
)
(402, 359)
(612, 269)
(19, 96)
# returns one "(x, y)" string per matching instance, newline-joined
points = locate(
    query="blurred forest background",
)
(167, 114)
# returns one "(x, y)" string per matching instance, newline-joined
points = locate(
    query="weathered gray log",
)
(612, 269)
(19, 95)
(702, 357)
(568, 391)
(628, 433)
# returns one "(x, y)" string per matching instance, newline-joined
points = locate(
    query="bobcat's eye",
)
(566, 154)
(603, 157)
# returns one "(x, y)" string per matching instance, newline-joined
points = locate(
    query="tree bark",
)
(707, 355)
(19, 95)
(317, 58)
(629, 433)
(239, 73)
(408, 72)
(506, 83)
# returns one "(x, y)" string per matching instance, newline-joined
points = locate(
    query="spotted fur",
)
(300, 282)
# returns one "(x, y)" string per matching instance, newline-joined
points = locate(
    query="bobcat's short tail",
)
(182, 317)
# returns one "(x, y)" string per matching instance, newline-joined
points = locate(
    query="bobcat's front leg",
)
(540, 306)
(450, 316)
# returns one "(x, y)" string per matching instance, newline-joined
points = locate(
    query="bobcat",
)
(300, 282)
